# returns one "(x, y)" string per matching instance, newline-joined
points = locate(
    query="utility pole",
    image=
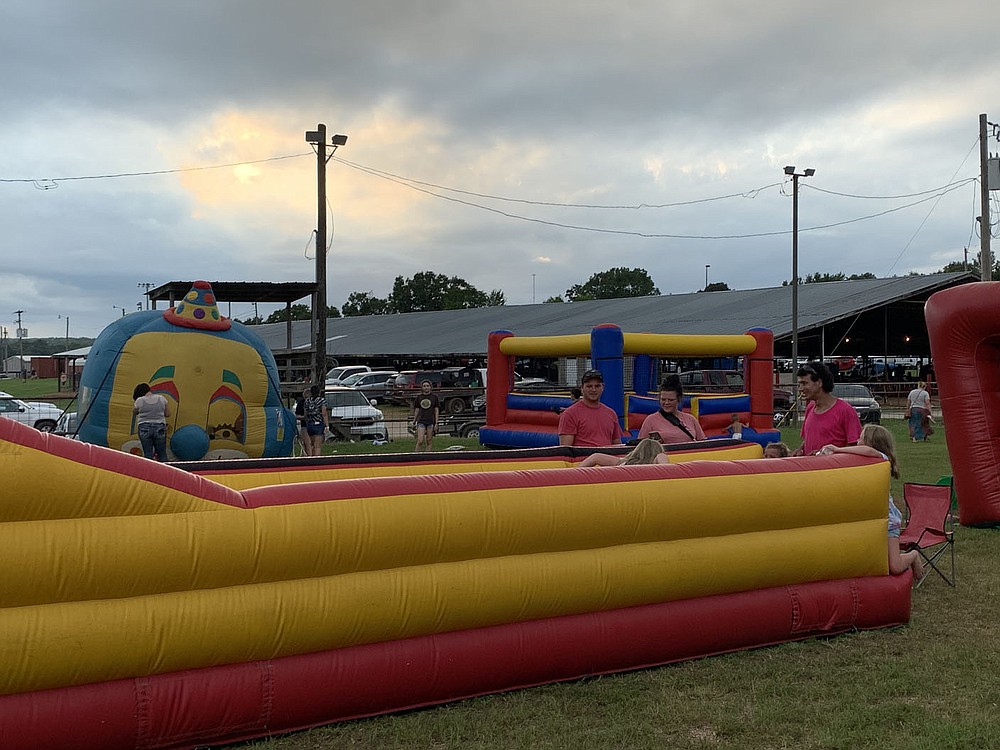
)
(318, 139)
(985, 258)
(20, 341)
(790, 171)
(147, 286)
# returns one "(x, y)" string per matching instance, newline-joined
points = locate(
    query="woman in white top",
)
(151, 410)
(918, 412)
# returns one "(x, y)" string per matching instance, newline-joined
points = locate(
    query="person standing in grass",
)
(426, 412)
(316, 421)
(876, 441)
(918, 413)
(151, 412)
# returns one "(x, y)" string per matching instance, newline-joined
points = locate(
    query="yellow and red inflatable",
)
(144, 605)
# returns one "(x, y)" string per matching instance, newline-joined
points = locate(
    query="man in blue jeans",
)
(151, 410)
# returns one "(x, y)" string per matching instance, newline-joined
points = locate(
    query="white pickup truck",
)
(41, 415)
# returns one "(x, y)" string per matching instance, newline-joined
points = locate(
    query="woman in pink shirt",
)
(672, 425)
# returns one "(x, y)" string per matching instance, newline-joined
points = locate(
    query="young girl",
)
(647, 451)
(877, 441)
(776, 450)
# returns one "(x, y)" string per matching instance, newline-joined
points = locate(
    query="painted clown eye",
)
(224, 432)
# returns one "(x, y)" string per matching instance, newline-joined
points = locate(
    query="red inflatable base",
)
(242, 701)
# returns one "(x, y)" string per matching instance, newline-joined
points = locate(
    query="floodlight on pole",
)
(790, 171)
(318, 139)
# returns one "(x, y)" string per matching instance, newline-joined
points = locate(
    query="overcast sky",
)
(466, 122)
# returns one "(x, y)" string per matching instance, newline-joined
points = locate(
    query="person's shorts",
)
(426, 425)
(315, 428)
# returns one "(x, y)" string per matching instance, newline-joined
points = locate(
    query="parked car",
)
(337, 375)
(351, 414)
(41, 415)
(865, 404)
(69, 425)
(372, 384)
(728, 381)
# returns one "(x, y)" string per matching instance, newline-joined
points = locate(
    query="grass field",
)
(928, 686)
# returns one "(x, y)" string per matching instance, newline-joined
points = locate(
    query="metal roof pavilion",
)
(878, 316)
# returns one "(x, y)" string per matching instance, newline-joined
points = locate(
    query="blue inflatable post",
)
(607, 353)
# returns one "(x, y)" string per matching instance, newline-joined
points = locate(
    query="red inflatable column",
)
(499, 378)
(963, 324)
(757, 369)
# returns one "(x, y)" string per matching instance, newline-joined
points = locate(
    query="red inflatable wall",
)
(243, 701)
(964, 328)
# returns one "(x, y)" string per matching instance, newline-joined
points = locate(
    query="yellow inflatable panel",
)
(131, 556)
(81, 642)
(244, 480)
(686, 345)
(39, 485)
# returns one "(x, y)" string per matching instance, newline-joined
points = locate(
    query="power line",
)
(646, 235)
(48, 183)
(409, 180)
(966, 181)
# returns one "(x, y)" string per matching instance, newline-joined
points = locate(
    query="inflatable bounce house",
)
(529, 420)
(219, 377)
(964, 328)
(148, 605)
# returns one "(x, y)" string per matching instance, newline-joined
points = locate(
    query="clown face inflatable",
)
(219, 378)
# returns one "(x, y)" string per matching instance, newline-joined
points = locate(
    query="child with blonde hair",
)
(647, 451)
(876, 441)
(777, 450)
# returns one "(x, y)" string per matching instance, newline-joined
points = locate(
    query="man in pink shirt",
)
(670, 424)
(828, 419)
(588, 422)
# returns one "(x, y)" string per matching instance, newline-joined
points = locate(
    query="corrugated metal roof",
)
(464, 332)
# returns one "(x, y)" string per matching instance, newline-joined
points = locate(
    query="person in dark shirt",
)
(426, 410)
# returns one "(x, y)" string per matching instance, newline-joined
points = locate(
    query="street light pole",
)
(790, 171)
(318, 139)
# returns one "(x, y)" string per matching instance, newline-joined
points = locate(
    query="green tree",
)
(821, 278)
(427, 291)
(557, 298)
(716, 286)
(365, 303)
(253, 320)
(614, 283)
(972, 266)
(299, 312)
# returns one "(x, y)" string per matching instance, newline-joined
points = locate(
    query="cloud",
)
(583, 103)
